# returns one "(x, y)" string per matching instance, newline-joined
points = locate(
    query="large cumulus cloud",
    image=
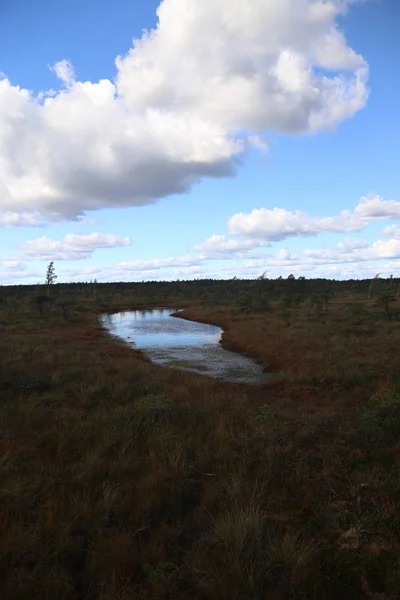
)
(187, 101)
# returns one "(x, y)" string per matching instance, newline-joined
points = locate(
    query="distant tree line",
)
(249, 294)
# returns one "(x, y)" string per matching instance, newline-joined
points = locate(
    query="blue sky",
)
(224, 141)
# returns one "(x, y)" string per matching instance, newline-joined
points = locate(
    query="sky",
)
(187, 139)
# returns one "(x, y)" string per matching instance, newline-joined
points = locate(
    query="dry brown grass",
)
(120, 479)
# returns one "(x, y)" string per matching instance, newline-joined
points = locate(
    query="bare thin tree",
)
(370, 287)
(50, 277)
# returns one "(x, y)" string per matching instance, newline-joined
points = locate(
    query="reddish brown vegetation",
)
(120, 479)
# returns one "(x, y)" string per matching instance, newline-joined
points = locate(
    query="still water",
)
(186, 345)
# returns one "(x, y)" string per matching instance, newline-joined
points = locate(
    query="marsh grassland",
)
(121, 479)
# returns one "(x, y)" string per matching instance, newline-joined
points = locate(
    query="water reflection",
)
(186, 345)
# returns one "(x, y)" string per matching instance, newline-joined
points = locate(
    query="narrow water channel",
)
(186, 345)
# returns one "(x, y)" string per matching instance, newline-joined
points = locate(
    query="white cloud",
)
(187, 273)
(182, 267)
(64, 71)
(347, 251)
(259, 143)
(82, 150)
(375, 208)
(13, 219)
(72, 247)
(349, 245)
(349, 258)
(13, 271)
(356, 252)
(248, 65)
(383, 249)
(334, 259)
(12, 265)
(219, 247)
(278, 223)
(188, 99)
(392, 231)
(159, 263)
(88, 221)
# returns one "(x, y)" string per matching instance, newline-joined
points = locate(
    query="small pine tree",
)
(385, 299)
(50, 277)
(327, 296)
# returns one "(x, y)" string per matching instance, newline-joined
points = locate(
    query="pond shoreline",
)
(199, 350)
(226, 342)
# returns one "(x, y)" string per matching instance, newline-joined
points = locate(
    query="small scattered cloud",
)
(279, 224)
(220, 247)
(354, 252)
(73, 247)
(64, 71)
(171, 268)
(14, 219)
(159, 263)
(392, 231)
(88, 221)
(14, 271)
(375, 208)
(259, 143)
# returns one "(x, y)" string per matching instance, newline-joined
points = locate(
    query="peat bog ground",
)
(122, 479)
